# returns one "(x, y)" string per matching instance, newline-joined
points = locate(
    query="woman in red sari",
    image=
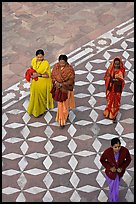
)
(114, 83)
(63, 77)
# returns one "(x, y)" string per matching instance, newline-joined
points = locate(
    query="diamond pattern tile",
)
(44, 163)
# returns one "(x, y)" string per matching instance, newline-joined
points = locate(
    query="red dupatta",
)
(110, 73)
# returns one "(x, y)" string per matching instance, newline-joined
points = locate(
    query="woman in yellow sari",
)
(63, 77)
(40, 96)
(114, 83)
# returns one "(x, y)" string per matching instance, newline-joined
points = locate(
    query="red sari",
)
(113, 89)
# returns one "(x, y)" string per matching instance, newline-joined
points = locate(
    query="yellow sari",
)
(40, 96)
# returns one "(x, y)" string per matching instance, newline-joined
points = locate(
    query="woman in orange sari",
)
(63, 77)
(114, 83)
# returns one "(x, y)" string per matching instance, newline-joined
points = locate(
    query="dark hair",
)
(38, 52)
(63, 57)
(115, 141)
(116, 59)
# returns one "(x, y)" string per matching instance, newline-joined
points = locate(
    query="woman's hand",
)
(34, 75)
(113, 169)
(114, 79)
(58, 85)
(119, 170)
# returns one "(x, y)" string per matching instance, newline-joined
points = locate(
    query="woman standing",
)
(115, 159)
(63, 77)
(114, 83)
(40, 96)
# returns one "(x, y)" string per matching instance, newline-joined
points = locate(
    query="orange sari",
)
(113, 96)
(66, 77)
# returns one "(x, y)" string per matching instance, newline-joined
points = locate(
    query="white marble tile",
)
(10, 172)
(129, 135)
(107, 136)
(128, 121)
(23, 163)
(101, 94)
(60, 171)
(93, 115)
(97, 161)
(48, 131)
(105, 122)
(88, 66)
(13, 140)
(25, 132)
(60, 154)
(83, 122)
(59, 138)
(130, 75)
(72, 130)
(48, 180)
(9, 190)
(129, 196)
(8, 97)
(88, 188)
(100, 179)
(47, 162)
(92, 101)
(127, 178)
(81, 83)
(73, 162)
(75, 197)
(22, 181)
(12, 156)
(48, 117)
(26, 118)
(102, 197)
(34, 190)
(81, 95)
(74, 179)
(96, 145)
(128, 65)
(35, 171)
(4, 119)
(85, 153)
(48, 147)
(86, 170)
(4, 132)
(21, 198)
(37, 139)
(83, 137)
(24, 147)
(119, 128)
(79, 72)
(36, 124)
(90, 77)
(61, 189)
(14, 125)
(125, 54)
(82, 108)
(124, 93)
(35, 155)
(72, 145)
(132, 87)
(106, 55)
(91, 89)
(47, 197)
(100, 82)
(99, 71)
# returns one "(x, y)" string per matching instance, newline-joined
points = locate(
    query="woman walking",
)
(63, 77)
(115, 159)
(41, 85)
(114, 83)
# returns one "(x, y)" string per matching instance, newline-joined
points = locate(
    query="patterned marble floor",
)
(43, 163)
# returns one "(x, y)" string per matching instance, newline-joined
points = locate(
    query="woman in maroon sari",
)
(115, 159)
(114, 83)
